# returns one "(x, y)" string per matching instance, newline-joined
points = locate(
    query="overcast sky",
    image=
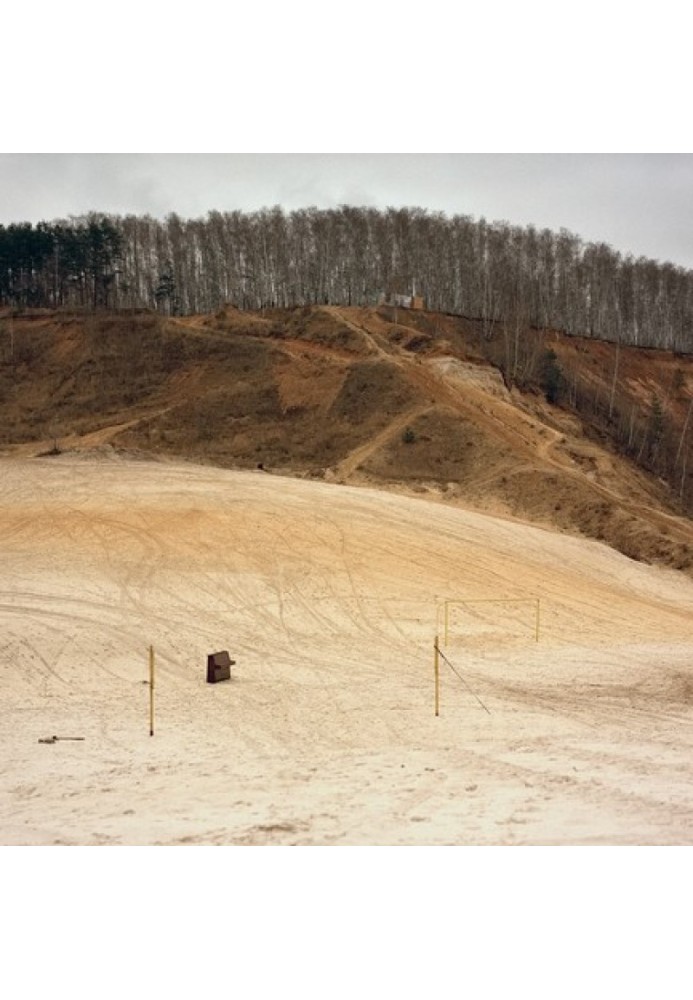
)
(639, 203)
(496, 77)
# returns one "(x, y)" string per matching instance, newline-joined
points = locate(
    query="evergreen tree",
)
(551, 377)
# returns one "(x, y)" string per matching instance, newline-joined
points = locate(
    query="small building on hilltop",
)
(412, 301)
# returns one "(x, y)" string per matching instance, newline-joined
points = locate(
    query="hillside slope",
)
(411, 402)
(328, 598)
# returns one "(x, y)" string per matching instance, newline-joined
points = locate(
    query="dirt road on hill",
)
(327, 392)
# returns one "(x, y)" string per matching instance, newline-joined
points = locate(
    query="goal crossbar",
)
(446, 605)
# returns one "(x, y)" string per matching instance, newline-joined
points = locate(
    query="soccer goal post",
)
(532, 604)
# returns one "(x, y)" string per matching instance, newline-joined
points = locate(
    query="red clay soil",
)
(411, 402)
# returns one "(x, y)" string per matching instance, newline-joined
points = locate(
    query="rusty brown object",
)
(219, 667)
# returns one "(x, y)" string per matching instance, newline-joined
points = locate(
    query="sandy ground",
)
(328, 597)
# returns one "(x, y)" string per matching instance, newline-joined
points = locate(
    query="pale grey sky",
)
(638, 203)
(298, 77)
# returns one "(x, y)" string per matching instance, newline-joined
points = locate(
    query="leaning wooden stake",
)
(58, 739)
(436, 674)
(151, 690)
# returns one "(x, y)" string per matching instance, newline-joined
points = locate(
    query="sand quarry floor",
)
(328, 598)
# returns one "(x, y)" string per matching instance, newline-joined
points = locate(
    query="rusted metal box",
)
(219, 667)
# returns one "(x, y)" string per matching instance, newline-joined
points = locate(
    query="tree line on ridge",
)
(519, 276)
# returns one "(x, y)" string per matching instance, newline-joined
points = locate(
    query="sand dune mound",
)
(328, 597)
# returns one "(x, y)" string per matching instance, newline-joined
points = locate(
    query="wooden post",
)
(536, 631)
(436, 674)
(151, 690)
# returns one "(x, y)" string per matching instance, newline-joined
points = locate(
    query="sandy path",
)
(326, 596)
(358, 456)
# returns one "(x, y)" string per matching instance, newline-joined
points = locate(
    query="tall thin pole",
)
(151, 690)
(436, 674)
(536, 632)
